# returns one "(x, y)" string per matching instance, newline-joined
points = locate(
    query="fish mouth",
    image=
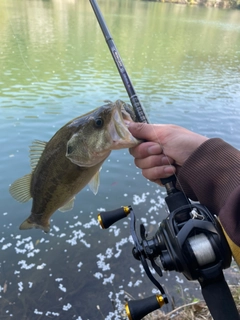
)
(120, 135)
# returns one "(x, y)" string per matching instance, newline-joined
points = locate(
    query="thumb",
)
(142, 131)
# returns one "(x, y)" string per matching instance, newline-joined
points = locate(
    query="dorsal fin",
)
(36, 149)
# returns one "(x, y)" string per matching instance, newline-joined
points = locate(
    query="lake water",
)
(184, 62)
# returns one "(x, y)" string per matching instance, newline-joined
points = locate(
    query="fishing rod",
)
(138, 108)
(190, 240)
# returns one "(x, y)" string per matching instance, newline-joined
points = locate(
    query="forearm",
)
(211, 175)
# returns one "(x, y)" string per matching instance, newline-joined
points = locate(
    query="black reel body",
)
(190, 241)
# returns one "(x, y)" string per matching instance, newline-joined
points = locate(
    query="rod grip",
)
(164, 181)
(219, 299)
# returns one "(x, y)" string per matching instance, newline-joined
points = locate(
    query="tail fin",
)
(28, 224)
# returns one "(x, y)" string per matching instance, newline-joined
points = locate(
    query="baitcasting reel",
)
(190, 240)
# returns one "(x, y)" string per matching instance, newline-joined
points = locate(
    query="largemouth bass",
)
(70, 160)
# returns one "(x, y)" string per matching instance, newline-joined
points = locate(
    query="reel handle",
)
(108, 218)
(137, 309)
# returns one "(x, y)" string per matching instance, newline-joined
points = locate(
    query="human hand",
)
(167, 148)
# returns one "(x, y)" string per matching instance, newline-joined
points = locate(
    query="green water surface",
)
(184, 62)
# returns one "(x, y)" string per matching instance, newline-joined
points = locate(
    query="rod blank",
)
(137, 106)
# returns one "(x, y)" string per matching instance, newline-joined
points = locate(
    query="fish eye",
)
(99, 122)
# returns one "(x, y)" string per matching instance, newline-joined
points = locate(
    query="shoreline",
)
(223, 4)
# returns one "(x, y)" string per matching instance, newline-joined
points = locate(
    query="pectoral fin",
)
(20, 189)
(68, 206)
(94, 183)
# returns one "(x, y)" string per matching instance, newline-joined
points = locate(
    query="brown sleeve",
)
(211, 175)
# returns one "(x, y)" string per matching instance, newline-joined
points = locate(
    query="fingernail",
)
(169, 169)
(130, 125)
(155, 149)
(127, 123)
